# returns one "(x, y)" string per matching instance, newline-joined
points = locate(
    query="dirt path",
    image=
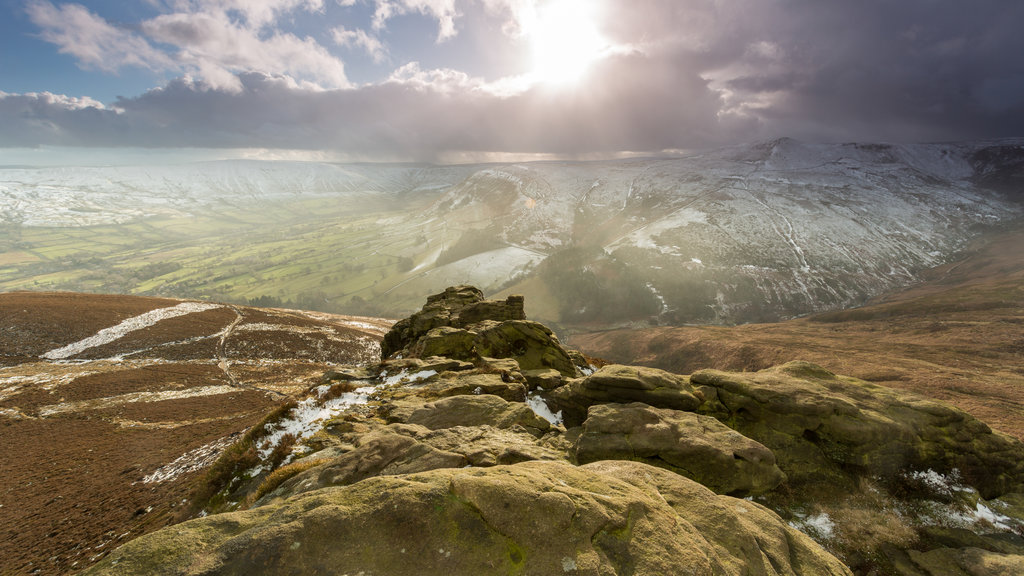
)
(222, 359)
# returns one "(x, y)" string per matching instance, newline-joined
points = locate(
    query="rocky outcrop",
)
(456, 307)
(695, 446)
(623, 384)
(427, 464)
(458, 323)
(530, 518)
(822, 427)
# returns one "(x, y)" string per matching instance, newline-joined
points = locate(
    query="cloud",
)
(685, 74)
(257, 14)
(416, 115)
(215, 47)
(211, 39)
(443, 11)
(93, 41)
(362, 40)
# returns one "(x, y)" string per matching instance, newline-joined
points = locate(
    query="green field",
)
(310, 253)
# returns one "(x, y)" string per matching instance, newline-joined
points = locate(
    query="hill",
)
(480, 445)
(112, 406)
(956, 337)
(750, 233)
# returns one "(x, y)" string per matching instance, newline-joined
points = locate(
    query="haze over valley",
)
(749, 233)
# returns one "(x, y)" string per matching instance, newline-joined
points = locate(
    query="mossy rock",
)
(445, 341)
(616, 383)
(821, 427)
(534, 518)
(965, 562)
(468, 410)
(698, 447)
(533, 345)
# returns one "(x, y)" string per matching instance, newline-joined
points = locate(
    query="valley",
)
(745, 234)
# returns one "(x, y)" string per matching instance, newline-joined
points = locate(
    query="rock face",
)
(426, 464)
(698, 447)
(537, 518)
(616, 383)
(458, 323)
(821, 425)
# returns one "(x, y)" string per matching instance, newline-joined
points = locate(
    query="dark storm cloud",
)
(685, 74)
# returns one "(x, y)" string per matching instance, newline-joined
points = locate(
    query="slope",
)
(956, 337)
(111, 406)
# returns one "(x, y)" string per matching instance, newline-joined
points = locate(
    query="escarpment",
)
(480, 445)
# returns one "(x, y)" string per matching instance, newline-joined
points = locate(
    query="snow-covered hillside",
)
(746, 233)
(84, 196)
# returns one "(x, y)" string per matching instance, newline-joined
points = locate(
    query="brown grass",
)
(213, 489)
(278, 476)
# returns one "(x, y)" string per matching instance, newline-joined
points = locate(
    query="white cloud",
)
(360, 39)
(257, 13)
(92, 40)
(519, 15)
(211, 39)
(216, 47)
(443, 11)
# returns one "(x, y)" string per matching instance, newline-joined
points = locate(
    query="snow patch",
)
(944, 484)
(131, 398)
(145, 320)
(305, 420)
(405, 376)
(541, 408)
(819, 525)
(363, 326)
(190, 461)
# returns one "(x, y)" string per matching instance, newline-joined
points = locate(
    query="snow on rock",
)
(306, 419)
(818, 525)
(145, 320)
(405, 376)
(541, 408)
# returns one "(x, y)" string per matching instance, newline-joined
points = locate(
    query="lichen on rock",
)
(446, 469)
(459, 323)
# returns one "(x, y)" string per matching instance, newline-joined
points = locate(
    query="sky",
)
(479, 80)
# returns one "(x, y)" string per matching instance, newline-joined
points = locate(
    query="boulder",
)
(471, 410)
(615, 383)
(475, 383)
(963, 562)
(698, 447)
(381, 452)
(821, 426)
(533, 345)
(445, 341)
(543, 378)
(534, 518)
(509, 309)
(486, 445)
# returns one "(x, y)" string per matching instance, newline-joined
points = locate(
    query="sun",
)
(565, 41)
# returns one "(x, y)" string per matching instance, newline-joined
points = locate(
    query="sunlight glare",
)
(565, 41)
